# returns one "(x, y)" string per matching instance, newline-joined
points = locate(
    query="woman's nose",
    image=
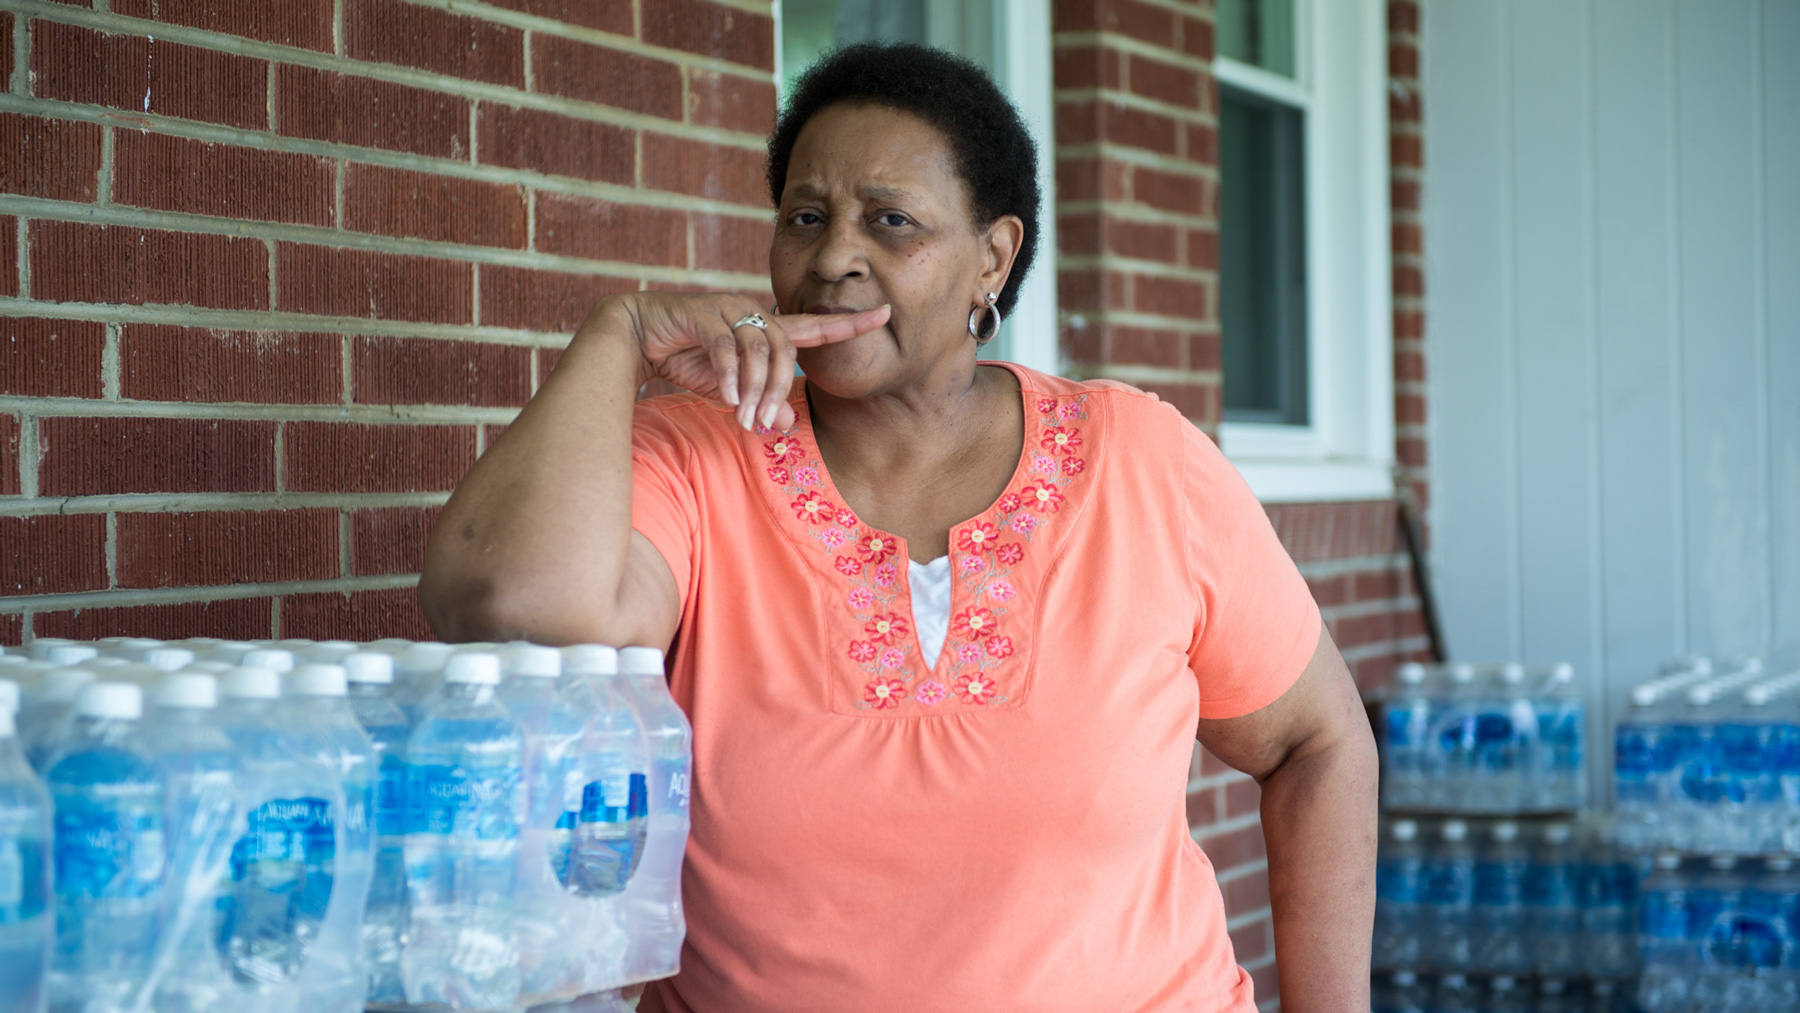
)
(839, 255)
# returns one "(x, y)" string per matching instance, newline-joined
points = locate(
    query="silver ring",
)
(753, 320)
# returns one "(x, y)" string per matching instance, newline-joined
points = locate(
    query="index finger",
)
(808, 329)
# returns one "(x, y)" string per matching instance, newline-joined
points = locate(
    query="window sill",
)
(1316, 481)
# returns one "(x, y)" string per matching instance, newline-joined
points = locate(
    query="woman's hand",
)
(689, 341)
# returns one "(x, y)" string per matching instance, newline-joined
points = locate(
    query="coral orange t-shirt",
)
(1004, 830)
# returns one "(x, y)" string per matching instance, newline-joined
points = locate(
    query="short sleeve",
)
(1257, 624)
(664, 507)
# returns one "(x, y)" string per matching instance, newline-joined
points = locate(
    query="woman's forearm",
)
(534, 543)
(1319, 819)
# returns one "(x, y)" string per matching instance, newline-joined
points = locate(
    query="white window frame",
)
(1346, 450)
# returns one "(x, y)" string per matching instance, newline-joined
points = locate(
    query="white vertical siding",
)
(1613, 232)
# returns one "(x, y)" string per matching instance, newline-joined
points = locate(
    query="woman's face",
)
(874, 212)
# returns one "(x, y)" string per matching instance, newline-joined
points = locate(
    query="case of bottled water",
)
(293, 826)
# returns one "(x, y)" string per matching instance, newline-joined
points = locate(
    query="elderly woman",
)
(946, 629)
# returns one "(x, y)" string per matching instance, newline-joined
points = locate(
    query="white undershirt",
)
(930, 587)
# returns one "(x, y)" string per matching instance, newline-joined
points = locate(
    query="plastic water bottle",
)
(1401, 992)
(1637, 738)
(282, 926)
(1399, 898)
(1713, 903)
(1505, 743)
(168, 659)
(197, 762)
(416, 673)
(330, 652)
(1454, 994)
(1556, 996)
(1767, 947)
(1609, 901)
(654, 897)
(1453, 736)
(610, 833)
(1663, 915)
(46, 711)
(110, 852)
(319, 725)
(26, 921)
(1449, 897)
(1499, 911)
(462, 846)
(1553, 895)
(1559, 779)
(1506, 995)
(384, 918)
(1407, 734)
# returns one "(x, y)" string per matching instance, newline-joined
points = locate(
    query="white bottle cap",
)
(1506, 831)
(135, 646)
(197, 644)
(591, 659)
(70, 654)
(480, 669)
(294, 644)
(1412, 673)
(425, 657)
(1668, 860)
(63, 685)
(316, 680)
(534, 661)
(641, 661)
(1512, 673)
(230, 650)
(9, 696)
(1403, 830)
(1777, 864)
(1604, 987)
(169, 659)
(1722, 862)
(8, 659)
(389, 645)
(1645, 696)
(39, 649)
(189, 689)
(1501, 983)
(1454, 830)
(1462, 672)
(272, 658)
(476, 647)
(1557, 833)
(1562, 671)
(119, 701)
(208, 667)
(327, 652)
(6, 724)
(247, 682)
(1700, 696)
(369, 666)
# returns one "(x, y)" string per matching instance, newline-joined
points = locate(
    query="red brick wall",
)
(272, 275)
(1406, 171)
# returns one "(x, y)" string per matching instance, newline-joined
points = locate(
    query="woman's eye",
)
(805, 218)
(894, 220)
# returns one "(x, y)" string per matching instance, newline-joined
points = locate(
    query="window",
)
(1011, 38)
(1304, 256)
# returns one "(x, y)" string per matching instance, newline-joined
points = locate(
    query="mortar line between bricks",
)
(30, 452)
(269, 98)
(22, 240)
(1386, 648)
(276, 320)
(475, 131)
(1132, 212)
(529, 70)
(315, 235)
(274, 275)
(550, 26)
(1224, 826)
(103, 184)
(25, 633)
(1261, 914)
(275, 617)
(475, 293)
(1135, 265)
(1133, 46)
(337, 194)
(1143, 158)
(337, 27)
(430, 80)
(1241, 870)
(531, 222)
(213, 133)
(1191, 115)
(217, 502)
(1321, 568)
(280, 457)
(1134, 373)
(185, 595)
(370, 414)
(1131, 318)
(343, 543)
(21, 73)
(1374, 607)
(112, 550)
(109, 364)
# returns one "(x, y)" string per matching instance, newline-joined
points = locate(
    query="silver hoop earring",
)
(990, 311)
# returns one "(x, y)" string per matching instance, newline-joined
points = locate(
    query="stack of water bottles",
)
(296, 826)
(1500, 740)
(1502, 915)
(1707, 760)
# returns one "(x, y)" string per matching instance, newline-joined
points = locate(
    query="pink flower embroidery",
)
(931, 693)
(812, 508)
(1009, 502)
(887, 629)
(862, 650)
(1044, 464)
(1058, 440)
(848, 566)
(876, 548)
(972, 564)
(974, 688)
(1073, 465)
(1069, 412)
(845, 518)
(974, 624)
(784, 450)
(806, 475)
(893, 657)
(886, 575)
(778, 475)
(977, 537)
(1010, 553)
(883, 692)
(833, 537)
(1000, 647)
(1024, 524)
(968, 654)
(860, 599)
(1046, 405)
(1045, 499)
(761, 430)
(1000, 589)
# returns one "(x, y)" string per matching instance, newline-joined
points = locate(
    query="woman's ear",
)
(1001, 247)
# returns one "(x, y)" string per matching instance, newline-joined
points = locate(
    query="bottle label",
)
(12, 880)
(281, 872)
(111, 851)
(1552, 886)
(1663, 916)
(390, 797)
(1449, 885)
(1499, 884)
(453, 800)
(1400, 881)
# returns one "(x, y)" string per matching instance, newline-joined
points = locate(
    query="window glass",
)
(1258, 32)
(810, 27)
(1262, 259)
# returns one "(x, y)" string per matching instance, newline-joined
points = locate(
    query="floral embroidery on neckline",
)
(986, 550)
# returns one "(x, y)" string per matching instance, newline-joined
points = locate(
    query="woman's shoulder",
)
(1128, 410)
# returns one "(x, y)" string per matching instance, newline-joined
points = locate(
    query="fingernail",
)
(768, 415)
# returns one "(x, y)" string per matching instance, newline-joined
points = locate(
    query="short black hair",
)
(989, 145)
